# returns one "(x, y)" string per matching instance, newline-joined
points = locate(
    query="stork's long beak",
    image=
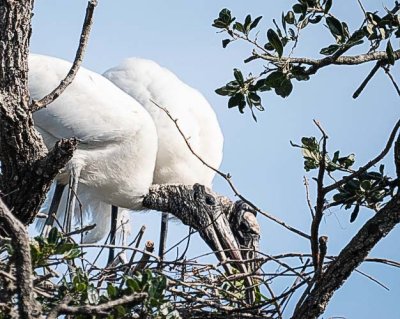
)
(218, 235)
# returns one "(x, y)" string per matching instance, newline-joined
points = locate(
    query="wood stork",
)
(115, 158)
(145, 80)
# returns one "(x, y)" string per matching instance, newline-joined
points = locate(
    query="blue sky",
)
(179, 36)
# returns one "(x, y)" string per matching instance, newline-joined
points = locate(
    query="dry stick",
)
(227, 177)
(23, 263)
(319, 210)
(275, 303)
(308, 196)
(387, 71)
(149, 248)
(371, 163)
(102, 309)
(87, 25)
(342, 60)
(367, 79)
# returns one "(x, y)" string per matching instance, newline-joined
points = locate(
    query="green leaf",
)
(225, 42)
(390, 53)
(238, 76)
(239, 27)
(328, 6)
(354, 214)
(275, 41)
(236, 100)
(247, 23)
(289, 17)
(133, 284)
(275, 79)
(112, 291)
(330, 49)
(315, 20)
(255, 22)
(284, 89)
(53, 235)
(336, 27)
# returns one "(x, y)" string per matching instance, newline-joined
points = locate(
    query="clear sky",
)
(178, 35)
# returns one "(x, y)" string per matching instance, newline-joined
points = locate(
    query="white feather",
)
(118, 139)
(145, 80)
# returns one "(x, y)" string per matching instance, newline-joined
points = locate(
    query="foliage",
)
(377, 30)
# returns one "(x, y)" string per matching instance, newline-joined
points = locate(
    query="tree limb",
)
(101, 309)
(349, 259)
(27, 306)
(87, 25)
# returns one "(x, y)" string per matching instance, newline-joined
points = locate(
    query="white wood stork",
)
(116, 154)
(145, 80)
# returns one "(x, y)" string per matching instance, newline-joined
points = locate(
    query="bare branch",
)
(349, 259)
(317, 64)
(387, 71)
(101, 309)
(27, 306)
(228, 178)
(87, 25)
(367, 79)
(319, 210)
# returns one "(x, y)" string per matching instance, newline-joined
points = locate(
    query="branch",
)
(367, 166)
(316, 64)
(27, 306)
(349, 259)
(319, 210)
(228, 178)
(101, 309)
(87, 25)
(367, 79)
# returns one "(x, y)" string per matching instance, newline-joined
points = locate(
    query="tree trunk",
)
(26, 168)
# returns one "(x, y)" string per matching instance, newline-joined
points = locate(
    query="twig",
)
(308, 196)
(319, 210)
(87, 25)
(367, 79)
(227, 177)
(149, 248)
(371, 163)
(387, 71)
(101, 309)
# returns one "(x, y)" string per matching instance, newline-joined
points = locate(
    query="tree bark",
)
(349, 259)
(26, 168)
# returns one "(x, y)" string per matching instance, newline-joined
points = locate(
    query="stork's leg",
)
(113, 231)
(72, 193)
(55, 203)
(163, 236)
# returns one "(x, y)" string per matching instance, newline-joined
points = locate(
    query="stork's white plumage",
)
(117, 138)
(145, 80)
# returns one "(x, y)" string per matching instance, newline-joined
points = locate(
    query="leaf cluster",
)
(279, 77)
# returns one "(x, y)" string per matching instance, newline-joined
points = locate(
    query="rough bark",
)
(26, 168)
(349, 259)
(27, 306)
(201, 208)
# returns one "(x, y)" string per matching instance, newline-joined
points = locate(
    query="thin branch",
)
(342, 60)
(319, 210)
(27, 307)
(349, 259)
(367, 166)
(306, 184)
(102, 309)
(367, 79)
(387, 71)
(227, 177)
(87, 25)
